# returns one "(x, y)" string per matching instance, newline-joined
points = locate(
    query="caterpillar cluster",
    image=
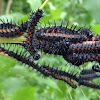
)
(50, 71)
(45, 70)
(76, 47)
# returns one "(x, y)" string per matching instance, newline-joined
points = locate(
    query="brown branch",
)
(1, 6)
(8, 6)
(45, 2)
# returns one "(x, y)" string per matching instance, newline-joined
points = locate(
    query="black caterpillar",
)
(58, 40)
(79, 59)
(12, 30)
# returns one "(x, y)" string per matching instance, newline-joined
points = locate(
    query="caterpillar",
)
(34, 18)
(89, 77)
(87, 71)
(79, 59)
(89, 84)
(57, 48)
(66, 80)
(57, 33)
(12, 30)
(85, 47)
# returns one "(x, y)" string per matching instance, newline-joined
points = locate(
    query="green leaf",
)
(26, 93)
(12, 84)
(96, 28)
(4, 66)
(35, 4)
(48, 82)
(93, 6)
(63, 88)
(12, 16)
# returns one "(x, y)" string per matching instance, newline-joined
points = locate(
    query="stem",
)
(0, 7)
(8, 6)
(44, 4)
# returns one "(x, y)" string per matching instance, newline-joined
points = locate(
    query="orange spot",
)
(78, 49)
(58, 30)
(35, 19)
(73, 49)
(88, 48)
(23, 58)
(82, 49)
(28, 37)
(18, 25)
(48, 30)
(5, 52)
(3, 30)
(15, 27)
(53, 30)
(63, 78)
(30, 32)
(28, 45)
(96, 47)
(0, 30)
(44, 33)
(72, 36)
(32, 23)
(54, 34)
(92, 48)
(93, 38)
(31, 28)
(86, 59)
(76, 36)
(42, 30)
(85, 48)
(91, 59)
(59, 34)
(12, 29)
(87, 39)
(8, 30)
(64, 35)
(98, 37)
(49, 34)
(96, 57)
(68, 36)
(28, 41)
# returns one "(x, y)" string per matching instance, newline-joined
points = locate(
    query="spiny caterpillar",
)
(12, 30)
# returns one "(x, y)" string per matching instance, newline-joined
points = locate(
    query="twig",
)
(8, 6)
(44, 4)
(0, 7)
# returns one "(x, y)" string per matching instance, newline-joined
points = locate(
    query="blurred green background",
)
(17, 81)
